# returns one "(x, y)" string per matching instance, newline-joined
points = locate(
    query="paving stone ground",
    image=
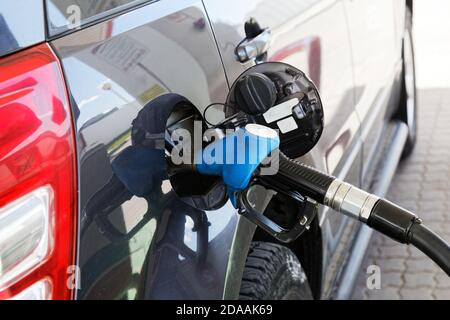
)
(421, 184)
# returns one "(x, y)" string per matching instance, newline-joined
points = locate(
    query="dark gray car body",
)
(124, 54)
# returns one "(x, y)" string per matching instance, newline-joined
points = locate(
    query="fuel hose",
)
(379, 214)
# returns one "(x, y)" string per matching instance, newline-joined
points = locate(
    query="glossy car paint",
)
(113, 69)
(14, 33)
(329, 40)
(376, 56)
(312, 36)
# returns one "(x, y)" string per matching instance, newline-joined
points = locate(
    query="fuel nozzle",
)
(301, 181)
(237, 156)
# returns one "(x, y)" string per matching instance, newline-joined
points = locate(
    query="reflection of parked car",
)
(66, 196)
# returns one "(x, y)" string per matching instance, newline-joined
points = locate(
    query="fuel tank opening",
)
(184, 135)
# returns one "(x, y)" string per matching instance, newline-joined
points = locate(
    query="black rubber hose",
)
(385, 217)
(392, 220)
(405, 227)
(432, 245)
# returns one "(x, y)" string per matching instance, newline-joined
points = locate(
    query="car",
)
(89, 211)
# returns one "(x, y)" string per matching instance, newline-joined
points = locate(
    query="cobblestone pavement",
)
(421, 184)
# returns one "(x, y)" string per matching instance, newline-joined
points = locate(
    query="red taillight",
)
(37, 177)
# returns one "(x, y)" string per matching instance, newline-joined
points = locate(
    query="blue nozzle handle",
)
(236, 156)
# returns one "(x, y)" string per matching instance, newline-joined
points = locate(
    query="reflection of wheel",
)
(408, 102)
(273, 272)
